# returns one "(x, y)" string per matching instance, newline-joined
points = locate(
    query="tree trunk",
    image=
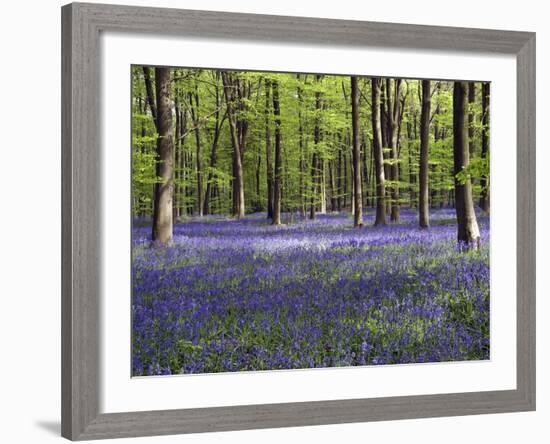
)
(333, 191)
(484, 202)
(149, 91)
(384, 124)
(323, 186)
(435, 178)
(177, 137)
(468, 230)
(268, 153)
(238, 182)
(182, 165)
(339, 172)
(356, 154)
(162, 221)
(278, 157)
(214, 152)
(393, 111)
(412, 177)
(378, 153)
(302, 154)
(194, 108)
(315, 163)
(471, 101)
(424, 197)
(345, 178)
(365, 163)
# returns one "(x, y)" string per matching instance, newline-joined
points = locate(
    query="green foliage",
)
(298, 95)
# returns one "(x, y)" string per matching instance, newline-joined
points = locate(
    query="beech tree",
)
(378, 153)
(268, 150)
(485, 193)
(232, 92)
(393, 113)
(162, 213)
(423, 205)
(315, 162)
(278, 157)
(211, 187)
(356, 154)
(468, 230)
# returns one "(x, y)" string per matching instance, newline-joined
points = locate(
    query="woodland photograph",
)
(298, 220)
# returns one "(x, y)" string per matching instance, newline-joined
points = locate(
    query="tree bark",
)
(238, 183)
(471, 101)
(177, 137)
(315, 163)
(214, 152)
(339, 172)
(149, 91)
(424, 197)
(484, 202)
(301, 144)
(393, 104)
(333, 191)
(278, 157)
(162, 220)
(181, 165)
(356, 154)
(196, 123)
(378, 153)
(468, 230)
(345, 178)
(268, 150)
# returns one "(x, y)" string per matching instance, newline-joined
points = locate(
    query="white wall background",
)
(30, 222)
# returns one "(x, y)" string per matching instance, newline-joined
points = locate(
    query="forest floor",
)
(235, 295)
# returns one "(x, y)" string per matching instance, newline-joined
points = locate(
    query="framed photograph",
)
(278, 221)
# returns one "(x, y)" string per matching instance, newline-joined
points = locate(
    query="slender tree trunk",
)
(471, 102)
(162, 222)
(372, 181)
(412, 161)
(268, 150)
(484, 202)
(312, 203)
(333, 191)
(356, 154)
(384, 123)
(213, 160)
(378, 153)
(393, 111)
(214, 151)
(259, 205)
(323, 186)
(339, 172)
(149, 92)
(315, 163)
(468, 230)
(364, 163)
(435, 177)
(345, 178)
(424, 197)
(238, 182)
(182, 165)
(301, 144)
(143, 211)
(153, 107)
(177, 137)
(194, 108)
(278, 157)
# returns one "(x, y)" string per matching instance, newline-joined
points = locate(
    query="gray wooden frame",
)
(81, 172)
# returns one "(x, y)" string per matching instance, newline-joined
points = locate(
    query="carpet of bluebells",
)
(236, 295)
